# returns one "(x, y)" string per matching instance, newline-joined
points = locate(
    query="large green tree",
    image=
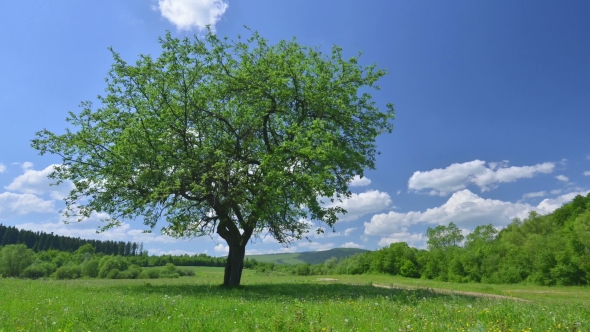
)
(233, 137)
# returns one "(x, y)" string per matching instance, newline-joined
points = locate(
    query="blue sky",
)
(492, 101)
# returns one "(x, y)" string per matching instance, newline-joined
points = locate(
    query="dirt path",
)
(439, 291)
(448, 291)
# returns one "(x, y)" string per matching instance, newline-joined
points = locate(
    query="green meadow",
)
(287, 303)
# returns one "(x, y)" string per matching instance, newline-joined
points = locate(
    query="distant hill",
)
(311, 257)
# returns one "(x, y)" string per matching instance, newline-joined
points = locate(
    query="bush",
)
(168, 274)
(109, 263)
(68, 272)
(14, 259)
(113, 274)
(408, 270)
(34, 271)
(90, 268)
(134, 272)
(149, 274)
(170, 267)
(185, 272)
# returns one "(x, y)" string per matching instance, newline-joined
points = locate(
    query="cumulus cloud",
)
(221, 248)
(27, 165)
(328, 234)
(534, 194)
(189, 14)
(458, 176)
(562, 178)
(351, 245)
(556, 191)
(12, 205)
(465, 209)
(177, 252)
(549, 205)
(359, 205)
(2, 168)
(587, 173)
(357, 181)
(417, 240)
(38, 183)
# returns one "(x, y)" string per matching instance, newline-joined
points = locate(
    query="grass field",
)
(287, 303)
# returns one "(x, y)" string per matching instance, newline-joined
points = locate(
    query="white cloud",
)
(87, 228)
(329, 234)
(177, 252)
(587, 173)
(357, 181)
(458, 176)
(2, 168)
(556, 191)
(27, 165)
(360, 204)
(220, 248)
(38, 183)
(417, 240)
(351, 245)
(316, 246)
(562, 178)
(549, 205)
(399, 192)
(12, 205)
(188, 14)
(534, 194)
(465, 209)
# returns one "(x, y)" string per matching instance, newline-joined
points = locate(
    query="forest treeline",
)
(41, 241)
(16, 260)
(546, 250)
(553, 249)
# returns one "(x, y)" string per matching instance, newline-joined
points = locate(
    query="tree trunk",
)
(234, 265)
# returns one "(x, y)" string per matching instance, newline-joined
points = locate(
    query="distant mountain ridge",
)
(310, 257)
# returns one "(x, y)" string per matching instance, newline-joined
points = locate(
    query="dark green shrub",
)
(149, 274)
(34, 271)
(68, 272)
(90, 268)
(170, 267)
(113, 274)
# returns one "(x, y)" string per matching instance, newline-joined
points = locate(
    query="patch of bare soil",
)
(326, 279)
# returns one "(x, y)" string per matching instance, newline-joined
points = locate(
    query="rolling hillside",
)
(311, 257)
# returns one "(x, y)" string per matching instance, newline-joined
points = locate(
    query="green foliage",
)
(544, 250)
(14, 259)
(149, 274)
(259, 134)
(113, 274)
(68, 272)
(90, 268)
(38, 270)
(170, 267)
(109, 263)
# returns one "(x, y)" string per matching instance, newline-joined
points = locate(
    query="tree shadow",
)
(292, 291)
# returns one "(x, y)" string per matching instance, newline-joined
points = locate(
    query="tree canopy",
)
(233, 137)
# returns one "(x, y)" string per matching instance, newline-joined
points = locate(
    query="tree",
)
(236, 138)
(14, 258)
(443, 237)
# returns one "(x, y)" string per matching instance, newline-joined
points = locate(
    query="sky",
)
(492, 104)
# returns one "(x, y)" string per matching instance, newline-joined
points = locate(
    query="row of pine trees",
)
(41, 241)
